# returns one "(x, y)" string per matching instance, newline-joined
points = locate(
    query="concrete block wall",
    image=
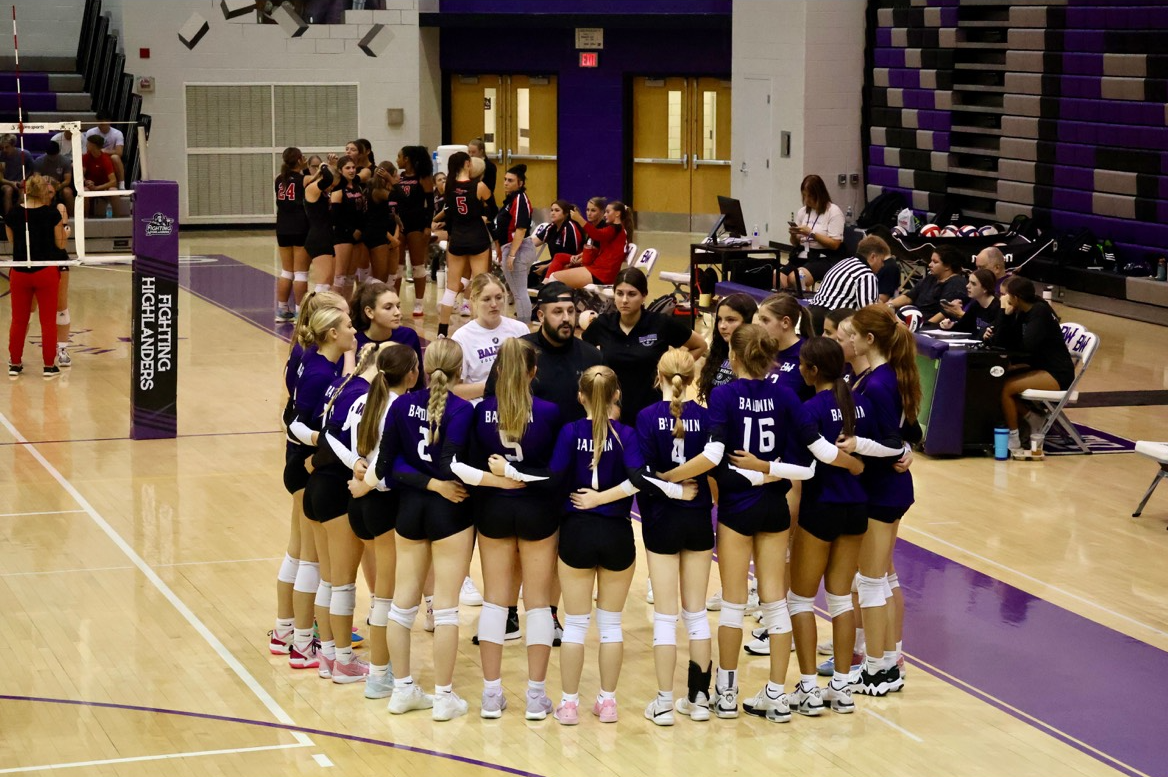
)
(47, 28)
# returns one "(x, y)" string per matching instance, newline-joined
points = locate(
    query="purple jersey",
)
(724, 375)
(530, 455)
(662, 451)
(406, 436)
(761, 417)
(884, 485)
(314, 376)
(347, 394)
(786, 371)
(403, 335)
(292, 368)
(571, 464)
(823, 418)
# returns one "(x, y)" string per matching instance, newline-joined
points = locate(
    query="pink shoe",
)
(309, 659)
(325, 666)
(280, 643)
(353, 672)
(567, 714)
(605, 710)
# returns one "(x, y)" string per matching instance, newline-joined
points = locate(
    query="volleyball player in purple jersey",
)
(330, 331)
(679, 539)
(373, 509)
(755, 419)
(600, 462)
(892, 386)
(731, 312)
(377, 315)
(514, 429)
(280, 638)
(788, 323)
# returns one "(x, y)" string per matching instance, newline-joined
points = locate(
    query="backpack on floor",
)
(883, 210)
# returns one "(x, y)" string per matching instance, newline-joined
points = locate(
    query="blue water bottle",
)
(1001, 443)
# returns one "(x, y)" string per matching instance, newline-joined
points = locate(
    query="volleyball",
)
(911, 316)
(930, 230)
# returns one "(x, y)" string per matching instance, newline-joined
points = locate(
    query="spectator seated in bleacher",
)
(53, 164)
(64, 139)
(852, 282)
(17, 166)
(943, 283)
(113, 144)
(982, 310)
(99, 173)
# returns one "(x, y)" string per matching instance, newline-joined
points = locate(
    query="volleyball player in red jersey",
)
(416, 210)
(594, 213)
(291, 232)
(347, 216)
(612, 237)
(469, 242)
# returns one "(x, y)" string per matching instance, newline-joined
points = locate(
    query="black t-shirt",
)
(42, 222)
(557, 375)
(927, 294)
(634, 356)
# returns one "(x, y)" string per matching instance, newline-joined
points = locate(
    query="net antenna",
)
(20, 133)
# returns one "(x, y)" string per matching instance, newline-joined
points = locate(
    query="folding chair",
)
(1159, 452)
(1082, 345)
(644, 263)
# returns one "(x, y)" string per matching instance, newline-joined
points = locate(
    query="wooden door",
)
(531, 135)
(710, 149)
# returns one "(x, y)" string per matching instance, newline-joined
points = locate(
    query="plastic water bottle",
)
(1001, 443)
(109, 209)
(1162, 270)
(849, 219)
(754, 243)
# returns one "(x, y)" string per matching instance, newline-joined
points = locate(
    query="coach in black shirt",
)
(563, 357)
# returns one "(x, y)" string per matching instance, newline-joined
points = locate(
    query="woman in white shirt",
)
(817, 233)
(482, 338)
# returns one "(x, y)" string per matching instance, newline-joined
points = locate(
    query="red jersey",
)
(608, 261)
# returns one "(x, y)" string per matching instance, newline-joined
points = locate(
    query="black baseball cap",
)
(555, 291)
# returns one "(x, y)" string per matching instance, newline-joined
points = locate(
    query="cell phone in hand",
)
(792, 224)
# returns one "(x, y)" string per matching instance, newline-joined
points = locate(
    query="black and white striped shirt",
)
(849, 284)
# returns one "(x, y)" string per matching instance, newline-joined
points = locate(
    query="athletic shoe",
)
(464, 310)
(14, 369)
(894, 680)
(567, 713)
(870, 684)
(763, 706)
(409, 697)
(827, 668)
(325, 667)
(900, 666)
(839, 699)
(557, 632)
(605, 710)
(493, 703)
(760, 645)
(538, 705)
(52, 371)
(63, 358)
(752, 606)
(309, 659)
(353, 672)
(448, 706)
(378, 686)
(649, 597)
(726, 705)
(825, 648)
(806, 702)
(428, 621)
(469, 596)
(356, 639)
(280, 644)
(418, 312)
(698, 709)
(513, 631)
(284, 316)
(659, 712)
(714, 603)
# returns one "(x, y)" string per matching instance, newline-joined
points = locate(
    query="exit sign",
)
(589, 59)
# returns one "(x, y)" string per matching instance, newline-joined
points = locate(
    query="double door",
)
(516, 116)
(681, 151)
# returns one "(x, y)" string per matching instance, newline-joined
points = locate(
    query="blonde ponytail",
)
(443, 363)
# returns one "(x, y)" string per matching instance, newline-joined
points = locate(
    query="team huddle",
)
(398, 464)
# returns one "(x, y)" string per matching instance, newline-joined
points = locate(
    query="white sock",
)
(889, 659)
(807, 681)
(329, 649)
(403, 682)
(1015, 441)
(493, 685)
(440, 689)
(839, 681)
(574, 698)
(860, 643)
(302, 639)
(607, 696)
(345, 654)
(284, 624)
(727, 678)
(378, 670)
(774, 690)
(537, 686)
(872, 664)
(665, 697)
(899, 650)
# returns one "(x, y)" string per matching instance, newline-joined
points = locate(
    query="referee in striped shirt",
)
(851, 283)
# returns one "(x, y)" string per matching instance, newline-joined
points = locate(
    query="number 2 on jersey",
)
(766, 435)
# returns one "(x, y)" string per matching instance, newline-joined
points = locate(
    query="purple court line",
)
(116, 439)
(1014, 650)
(279, 726)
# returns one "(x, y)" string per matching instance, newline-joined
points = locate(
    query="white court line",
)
(140, 758)
(222, 561)
(62, 571)
(322, 759)
(43, 512)
(265, 698)
(888, 722)
(1043, 583)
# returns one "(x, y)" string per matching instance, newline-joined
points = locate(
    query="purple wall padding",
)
(29, 82)
(598, 8)
(29, 101)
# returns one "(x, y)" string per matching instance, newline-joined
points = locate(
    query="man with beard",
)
(563, 357)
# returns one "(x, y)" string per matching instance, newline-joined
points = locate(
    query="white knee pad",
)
(871, 591)
(664, 629)
(362, 274)
(856, 583)
(63, 317)
(300, 277)
(344, 600)
(288, 567)
(576, 628)
(732, 615)
(697, 625)
(448, 617)
(776, 618)
(796, 604)
(887, 588)
(324, 594)
(893, 580)
(837, 605)
(321, 287)
(465, 284)
(307, 577)
(418, 271)
(492, 623)
(339, 280)
(448, 297)
(609, 623)
(541, 627)
(403, 618)
(286, 275)
(379, 614)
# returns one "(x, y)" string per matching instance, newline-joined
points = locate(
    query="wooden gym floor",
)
(136, 587)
